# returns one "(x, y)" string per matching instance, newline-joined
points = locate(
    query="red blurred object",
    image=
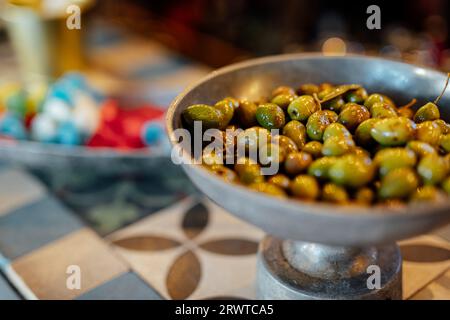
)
(121, 127)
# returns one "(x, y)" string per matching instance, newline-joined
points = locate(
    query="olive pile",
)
(336, 144)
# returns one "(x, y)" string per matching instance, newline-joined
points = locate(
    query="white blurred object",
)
(86, 114)
(57, 110)
(44, 128)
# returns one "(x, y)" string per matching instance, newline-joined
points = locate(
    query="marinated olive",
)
(429, 132)
(372, 99)
(283, 90)
(427, 194)
(382, 110)
(320, 168)
(363, 134)
(433, 169)
(302, 108)
(318, 122)
(252, 138)
(335, 104)
(393, 131)
(280, 180)
(305, 187)
(334, 193)
(365, 196)
(308, 88)
(353, 115)
(246, 113)
(271, 153)
(336, 130)
(296, 131)
(445, 142)
(337, 146)
(428, 112)
(394, 158)
(283, 100)
(223, 172)
(250, 173)
(446, 185)
(398, 183)
(314, 148)
(270, 116)
(297, 162)
(356, 96)
(421, 149)
(286, 143)
(209, 116)
(445, 127)
(352, 171)
(268, 188)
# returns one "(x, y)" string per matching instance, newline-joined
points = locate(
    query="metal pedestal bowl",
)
(317, 250)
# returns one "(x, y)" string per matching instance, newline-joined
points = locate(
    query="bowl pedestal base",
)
(308, 271)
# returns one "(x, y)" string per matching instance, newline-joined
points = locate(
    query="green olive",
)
(250, 173)
(353, 115)
(270, 116)
(268, 188)
(308, 88)
(297, 162)
(283, 90)
(280, 180)
(429, 132)
(314, 148)
(325, 86)
(318, 122)
(444, 142)
(337, 146)
(246, 113)
(226, 107)
(242, 163)
(356, 96)
(360, 152)
(382, 110)
(336, 130)
(252, 138)
(421, 149)
(393, 131)
(271, 153)
(211, 157)
(223, 172)
(445, 127)
(389, 101)
(320, 168)
(394, 158)
(363, 132)
(209, 116)
(324, 92)
(446, 185)
(398, 183)
(352, 171)
(285, 143)
(405, 112)
(427, 194)
(372, 99)
(305, 187)
(302, 108)
(364, 196)
(335, 104)
(283, 100)
(428, 112)
(334, 193)
(296, 131)
(433, 169)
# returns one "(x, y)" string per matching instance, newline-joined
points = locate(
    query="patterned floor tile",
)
(193, 250)
(32, 226)
(439, 289)
(425, 258)
(124, 287)
(18, 189)
(45, 270)
(6, 291)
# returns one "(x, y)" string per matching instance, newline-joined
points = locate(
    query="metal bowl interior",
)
(316, 222)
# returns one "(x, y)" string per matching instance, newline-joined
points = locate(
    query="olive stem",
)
(316, 98)
(443, 91)
(409, 104)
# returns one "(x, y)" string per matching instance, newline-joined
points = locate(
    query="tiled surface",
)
(34, 225)
(127, 286)
(189, 250)
(18, 191)
(45, 270)
(6, 291)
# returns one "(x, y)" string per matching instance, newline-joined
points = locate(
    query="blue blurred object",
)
(68, 134)
(11, 125)
(62, 91)
(152, 132)
(75, 79)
